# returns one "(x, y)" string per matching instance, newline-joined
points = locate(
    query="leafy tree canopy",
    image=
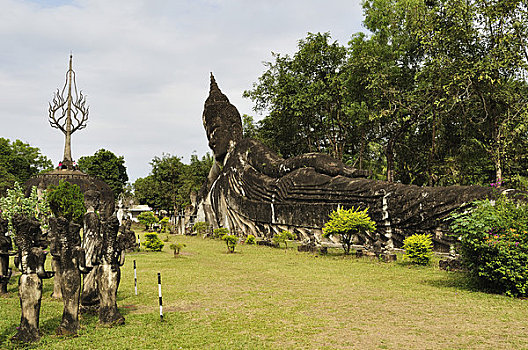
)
(108, 167)
(434, 94)
(19, 162)
(170, 183)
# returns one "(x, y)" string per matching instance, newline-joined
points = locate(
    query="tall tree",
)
(482, 44)
(108, 167)
(303, 96)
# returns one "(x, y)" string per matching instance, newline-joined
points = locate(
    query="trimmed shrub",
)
(250, 239)
(418, 249)
(66, 200)
(220, 232)
(494, 244)
(148, 219)
(200, 227)
(152, 242)
(348, 224)
(283, 237)
(231, 242)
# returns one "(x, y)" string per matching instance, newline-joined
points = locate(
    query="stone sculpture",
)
(66, 244)
(251, 189)
(109, 273)
(92, 245)
(6, 246)
(29, 260)
(127, 237)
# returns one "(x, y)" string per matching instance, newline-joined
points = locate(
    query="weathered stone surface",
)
(251, 189)
(98, 196)
(29, 260)
(72, 261)
(85, 182)
(451, 264)
(109, 274)
(92, 244)
(6, 247)
(127, 238)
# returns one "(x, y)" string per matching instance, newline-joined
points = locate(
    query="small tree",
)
(148, 219)
(66, 200)
(152, 242)
(231, 242)
(176, 247)
(283, 237)
(348, 224)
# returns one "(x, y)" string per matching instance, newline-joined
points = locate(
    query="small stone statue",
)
(29, 260)
(92, 244)
(72, 263)
(5, 251)
(127, 237)
(113, 256)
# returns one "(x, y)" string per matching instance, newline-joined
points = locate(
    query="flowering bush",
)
(494, 244)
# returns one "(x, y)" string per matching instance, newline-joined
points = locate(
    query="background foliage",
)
(434, 94)
(19, 162)
(170, 183)
(66, 200)
(108, 167)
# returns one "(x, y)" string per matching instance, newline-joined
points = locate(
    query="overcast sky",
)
(144, 66)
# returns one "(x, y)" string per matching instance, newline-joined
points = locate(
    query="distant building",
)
(134, 211)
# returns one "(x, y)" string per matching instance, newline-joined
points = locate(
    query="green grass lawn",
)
(266, 298)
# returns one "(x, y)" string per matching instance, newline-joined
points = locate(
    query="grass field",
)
(266, 298)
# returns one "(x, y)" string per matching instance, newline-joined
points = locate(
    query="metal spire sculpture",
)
(68, 113)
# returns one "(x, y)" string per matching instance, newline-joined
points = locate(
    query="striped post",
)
(139, 242)
(160, 299)
(135, 277)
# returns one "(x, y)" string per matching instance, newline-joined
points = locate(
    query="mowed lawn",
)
(266, 298)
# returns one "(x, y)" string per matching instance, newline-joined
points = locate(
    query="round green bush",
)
(152, 242)
(494, 244)
(250, 239)
(66, 200)
(418, 249)
(220, 232)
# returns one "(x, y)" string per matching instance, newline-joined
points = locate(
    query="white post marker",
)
(139, 242)
(160, 300)
(135, 277)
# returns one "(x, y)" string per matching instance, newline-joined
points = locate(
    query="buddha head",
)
(222, 122)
